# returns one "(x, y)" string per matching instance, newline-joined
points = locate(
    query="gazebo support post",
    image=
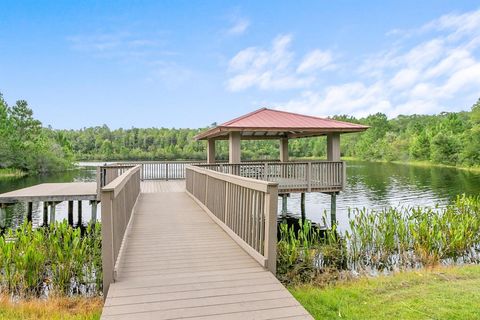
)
(211, 151)
(234, 151)
(284, 149)
(333, 146)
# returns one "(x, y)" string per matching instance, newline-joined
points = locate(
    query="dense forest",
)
(26, 145)
(451, 138)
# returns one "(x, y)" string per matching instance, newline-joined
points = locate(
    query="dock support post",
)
(52, 212)
(70, 213)
(45, 213)
(29, 211)
(79, 213)
(3, 216)
(284, 205)
(333, 209)
(302, 205)
(94, 211)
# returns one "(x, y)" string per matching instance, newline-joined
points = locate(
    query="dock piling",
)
(3, 216)
(70, 213)
(52, 212)
(302, 205)
(333, 208)
(94, 210)
(29, 211)
(79, 213)
(45, 213)
(284, 205)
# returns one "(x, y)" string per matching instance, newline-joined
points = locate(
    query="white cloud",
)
(240, 25)
(315, 60)
(274, 68)
(433, 68)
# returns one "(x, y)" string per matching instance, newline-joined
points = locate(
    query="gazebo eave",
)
(222, 133)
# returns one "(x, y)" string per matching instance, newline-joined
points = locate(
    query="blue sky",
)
(191, 63)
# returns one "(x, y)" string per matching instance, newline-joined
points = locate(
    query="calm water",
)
(380, 185)
(369, 185)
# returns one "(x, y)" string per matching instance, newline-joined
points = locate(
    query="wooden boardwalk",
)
(177, 264)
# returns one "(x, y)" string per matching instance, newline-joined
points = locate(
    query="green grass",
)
(442, 293)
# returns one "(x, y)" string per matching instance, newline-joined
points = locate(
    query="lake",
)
(370, 185)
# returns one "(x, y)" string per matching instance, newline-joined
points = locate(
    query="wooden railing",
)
(245, 208)
(158, 170)
(118, 199)
(108, 173)
(161, 170)
(325, 176)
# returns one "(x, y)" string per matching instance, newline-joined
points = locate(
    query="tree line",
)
(451, 138)
(26, 145)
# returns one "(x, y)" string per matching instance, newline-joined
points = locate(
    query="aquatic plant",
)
(58, 259)
(384, 241)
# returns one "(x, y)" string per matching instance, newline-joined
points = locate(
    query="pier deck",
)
(52, 192)
(177, 263)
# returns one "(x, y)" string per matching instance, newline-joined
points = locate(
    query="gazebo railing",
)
(325, 176)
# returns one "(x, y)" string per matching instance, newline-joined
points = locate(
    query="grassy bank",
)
(53, 308)
(11, 173)
(441, 293)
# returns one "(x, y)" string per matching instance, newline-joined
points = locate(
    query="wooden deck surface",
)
(179, 264)
(155, 186)
(53, 192)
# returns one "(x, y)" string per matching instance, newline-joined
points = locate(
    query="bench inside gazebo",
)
(327, 176)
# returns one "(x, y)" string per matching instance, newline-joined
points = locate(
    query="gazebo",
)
(306, 176)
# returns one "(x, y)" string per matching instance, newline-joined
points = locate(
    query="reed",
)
(384, 241)
(58, 260)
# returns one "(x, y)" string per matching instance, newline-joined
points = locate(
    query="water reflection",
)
(369, 185)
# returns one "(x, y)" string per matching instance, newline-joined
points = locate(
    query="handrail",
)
(324, 176)
(245, 208)
(118, 199)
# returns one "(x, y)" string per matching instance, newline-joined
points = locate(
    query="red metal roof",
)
(283, 123)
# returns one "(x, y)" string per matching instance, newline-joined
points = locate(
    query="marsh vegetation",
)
(57, 260)
(382, 242)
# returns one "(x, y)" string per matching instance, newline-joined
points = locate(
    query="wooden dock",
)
(53, 192)
(177, 263)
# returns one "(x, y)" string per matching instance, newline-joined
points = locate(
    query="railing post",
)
(108, 255)
(344, 172)
(166, 171)
(265, 173)
(270, 249)
(309, 177)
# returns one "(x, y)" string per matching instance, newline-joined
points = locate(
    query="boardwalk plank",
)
(179, 264)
